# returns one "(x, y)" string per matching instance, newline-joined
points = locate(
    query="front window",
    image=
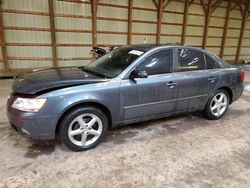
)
(160, 62)
(113, 63)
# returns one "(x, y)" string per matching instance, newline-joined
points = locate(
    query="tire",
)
(83, 128)
(216, 107)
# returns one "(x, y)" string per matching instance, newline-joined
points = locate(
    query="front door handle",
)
(171, 84)
(211, 79)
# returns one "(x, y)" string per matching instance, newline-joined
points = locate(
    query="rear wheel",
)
(217, 105)
(83, 128)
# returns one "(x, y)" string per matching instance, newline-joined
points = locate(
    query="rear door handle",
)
(211, 79)
(171, 84)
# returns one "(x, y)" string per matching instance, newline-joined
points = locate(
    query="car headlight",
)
(28, 105)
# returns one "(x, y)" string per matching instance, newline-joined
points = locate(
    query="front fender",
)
(105, 94)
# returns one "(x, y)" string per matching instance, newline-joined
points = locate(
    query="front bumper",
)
(32, 125)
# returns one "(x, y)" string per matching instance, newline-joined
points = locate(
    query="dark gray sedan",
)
(130, 84)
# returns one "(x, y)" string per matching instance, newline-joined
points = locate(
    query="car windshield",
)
(112, 64)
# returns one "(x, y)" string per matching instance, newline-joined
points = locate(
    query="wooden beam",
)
(236, 4)
(190, 2)
(52, 31)
(207, 20)
(155, 3)
(130, 11)
(2, 40)
(224, 36)
(215, 5)
(166, 3)
(160, 12)
(242, 29)
(48, 58)
(75, 1)
(94, 21)
(94, 24)
(184, 26)
(112, 5)
(204, 6)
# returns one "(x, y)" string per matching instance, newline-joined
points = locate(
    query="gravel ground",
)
(181, 151)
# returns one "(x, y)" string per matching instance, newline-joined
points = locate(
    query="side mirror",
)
(138, 74)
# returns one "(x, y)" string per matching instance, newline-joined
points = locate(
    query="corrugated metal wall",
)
(143, 27)
(21, 36)
(234, 34)
(104, 11)
(170, 20)
(28, 38)
(77, 23)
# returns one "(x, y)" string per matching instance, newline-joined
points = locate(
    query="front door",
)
(153, 95)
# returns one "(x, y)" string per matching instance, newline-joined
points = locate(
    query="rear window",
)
(190, 60)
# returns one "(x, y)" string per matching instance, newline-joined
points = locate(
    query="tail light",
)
(242, 74)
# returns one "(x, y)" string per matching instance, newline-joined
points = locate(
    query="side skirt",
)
(158, 116)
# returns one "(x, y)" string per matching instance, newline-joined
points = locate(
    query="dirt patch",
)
(135, 126)
(40, 148)
(243, 157)
(235, 112)
(189, 122)
(3, 123)
(119, 137)
(246, 98)
(26, 165)
(4, 126)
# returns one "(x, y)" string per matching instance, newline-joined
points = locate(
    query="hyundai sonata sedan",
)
(130, 84)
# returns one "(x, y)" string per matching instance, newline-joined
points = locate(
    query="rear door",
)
(213, 71)
(152, 95)
(194, 82)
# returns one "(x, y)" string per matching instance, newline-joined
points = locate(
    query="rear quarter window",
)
(211, 63)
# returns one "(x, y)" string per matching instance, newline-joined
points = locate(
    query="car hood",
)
(51, 79)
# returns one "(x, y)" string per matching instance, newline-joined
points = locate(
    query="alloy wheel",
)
(85, 129)
(219, 104)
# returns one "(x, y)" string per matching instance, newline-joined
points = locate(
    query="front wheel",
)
(83, 128)
(217, 105)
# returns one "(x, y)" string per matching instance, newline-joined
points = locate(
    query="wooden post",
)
(185, 16)
(53, 32)
(94, 22)
(242, 29)
(223, 41)
(160, 12)
(130, 10)
(207, 20)
(3, 43)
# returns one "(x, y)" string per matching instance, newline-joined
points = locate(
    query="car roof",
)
(147, 47)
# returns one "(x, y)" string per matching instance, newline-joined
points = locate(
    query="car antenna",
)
(145, 40)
